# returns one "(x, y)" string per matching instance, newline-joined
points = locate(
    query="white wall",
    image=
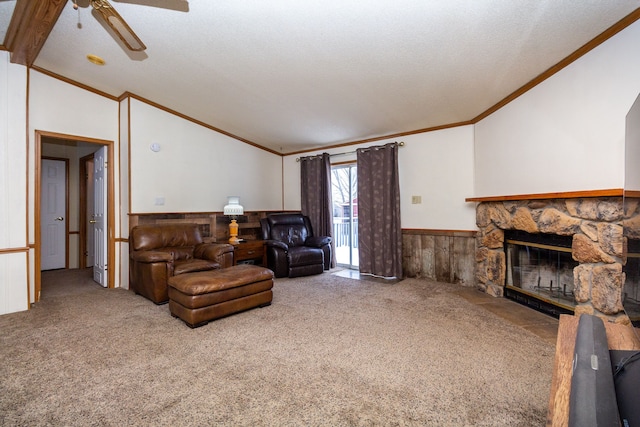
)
(58, 107)
(437, 166)
(196, 168)
(567, 133)
(122, 247)
(632, 148)
(14, 256)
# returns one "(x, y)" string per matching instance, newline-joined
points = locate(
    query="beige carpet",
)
(329, 351)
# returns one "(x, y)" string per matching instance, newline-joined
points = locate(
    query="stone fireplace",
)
(588, 277)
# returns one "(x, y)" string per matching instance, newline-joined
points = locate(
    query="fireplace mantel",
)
(615, 192)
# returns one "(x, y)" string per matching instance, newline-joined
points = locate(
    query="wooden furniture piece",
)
(198, 298)
(619, 337)
(249, 250)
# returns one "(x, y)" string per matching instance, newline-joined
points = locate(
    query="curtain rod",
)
(400, 144)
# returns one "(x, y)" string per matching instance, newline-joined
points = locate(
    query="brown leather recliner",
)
(158, 252)
(292, 249)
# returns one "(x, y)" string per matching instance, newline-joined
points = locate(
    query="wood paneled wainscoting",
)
(442, 255)
(214, 226)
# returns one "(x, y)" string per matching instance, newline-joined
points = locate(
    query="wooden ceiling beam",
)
(30, 25)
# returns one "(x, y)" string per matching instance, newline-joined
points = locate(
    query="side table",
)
(250, 250)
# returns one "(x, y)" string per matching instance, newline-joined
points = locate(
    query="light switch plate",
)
(416, 200)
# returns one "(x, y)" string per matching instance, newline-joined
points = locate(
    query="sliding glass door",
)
(345, 214)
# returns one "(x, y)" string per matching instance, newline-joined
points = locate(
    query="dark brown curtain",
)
(315, 183)
(379, 232)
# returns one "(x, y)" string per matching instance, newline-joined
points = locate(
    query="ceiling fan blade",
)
(178, 5)
(117, 24)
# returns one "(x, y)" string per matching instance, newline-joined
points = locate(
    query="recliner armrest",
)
(317, 241)
(152, 256)
(211, 251)
(276, 244)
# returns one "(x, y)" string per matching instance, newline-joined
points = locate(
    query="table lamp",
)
(233, 209)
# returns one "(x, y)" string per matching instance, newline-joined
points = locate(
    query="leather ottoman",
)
(200, 297)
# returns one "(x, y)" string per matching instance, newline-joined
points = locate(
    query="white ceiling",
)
(6, 10)
(292, 75)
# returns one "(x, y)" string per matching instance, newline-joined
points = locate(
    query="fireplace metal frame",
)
(519, 293)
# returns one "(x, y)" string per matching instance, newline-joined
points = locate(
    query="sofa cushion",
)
(180, 252)
(225, 278)
(288, 228)
(291, 235)
(149, 237)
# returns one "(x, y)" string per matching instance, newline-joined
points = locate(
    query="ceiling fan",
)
(119, 26)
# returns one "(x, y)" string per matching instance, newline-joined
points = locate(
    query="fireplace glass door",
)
(541, 274)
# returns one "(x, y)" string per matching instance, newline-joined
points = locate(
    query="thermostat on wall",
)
(155, 147)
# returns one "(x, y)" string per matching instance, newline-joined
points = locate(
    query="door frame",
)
(348, 165)
(66, 204)
(82, 217)
(111, 242)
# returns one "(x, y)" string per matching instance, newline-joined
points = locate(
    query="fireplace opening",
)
(539, 271)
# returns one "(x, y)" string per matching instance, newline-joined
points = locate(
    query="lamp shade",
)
(233, 206)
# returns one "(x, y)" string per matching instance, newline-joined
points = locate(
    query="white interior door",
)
(53, 222)
(90, 260)
(100, 217)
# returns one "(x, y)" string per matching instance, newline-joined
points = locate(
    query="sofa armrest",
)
(317, 241)
(152, 256)
(276, 244)
(215, 252)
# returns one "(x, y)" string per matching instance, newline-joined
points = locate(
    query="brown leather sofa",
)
(158, 252)
(292, 249)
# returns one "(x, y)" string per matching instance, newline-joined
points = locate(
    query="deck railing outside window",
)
(341, 232)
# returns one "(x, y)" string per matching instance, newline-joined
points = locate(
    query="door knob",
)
(92, 221)
(60, 218)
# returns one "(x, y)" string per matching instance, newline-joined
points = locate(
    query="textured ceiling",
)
(292, 75)
(6, 10)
